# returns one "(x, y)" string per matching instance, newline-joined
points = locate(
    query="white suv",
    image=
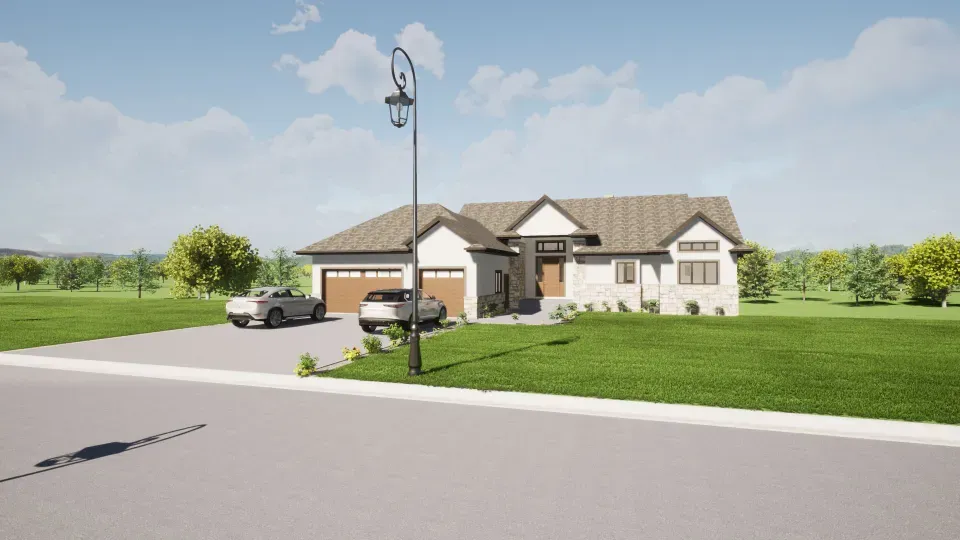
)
(388, 306)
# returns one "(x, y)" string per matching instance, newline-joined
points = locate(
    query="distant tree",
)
(49, 269)
(755, 272)
(897, 268)
(20, 269)
(68, 274)
(135, 272)
(869, 275)
(786, 276)
(161, 269)
(210, 260)
(829, 266)
(92, 270)
(280, 269)
(306, 270)
(933, 267)
(803, 270)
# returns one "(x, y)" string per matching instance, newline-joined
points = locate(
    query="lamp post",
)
(400, 103)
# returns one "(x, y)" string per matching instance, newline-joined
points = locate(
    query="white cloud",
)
(491, 90)
(84, 169)
(355, 64)
(855, 149)
(305, 13)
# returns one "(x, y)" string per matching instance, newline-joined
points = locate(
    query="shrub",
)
(351, 354)
(570, 315)
(693, 307)
(398, 335)
(444, 323)
(306, 366)
(515, 316)
(588, 306)
(462, 319)
(719, 311)
(572, 306)
(557, 314)
(372, 344)
(605, 305)
(652, 306)
(622, 306)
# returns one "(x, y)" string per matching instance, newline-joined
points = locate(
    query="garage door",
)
(447, 285)
(343, 290)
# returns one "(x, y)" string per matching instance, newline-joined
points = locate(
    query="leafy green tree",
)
(755, 272)
(68, 275)
(280, 269)
(93, 270)
(306, 270)
(796, 272)
(829, 266)
(210, 260)
(135, 272)
(869, 275)
(161, 269)
(933, 267)
(787, 276)
(49, 269)
(20, 269)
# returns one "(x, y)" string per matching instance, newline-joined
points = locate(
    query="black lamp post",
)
(399, 104)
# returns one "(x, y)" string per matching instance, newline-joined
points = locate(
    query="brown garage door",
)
(343, 290)
(447, 285)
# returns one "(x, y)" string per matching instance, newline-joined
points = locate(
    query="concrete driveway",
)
(254, 348)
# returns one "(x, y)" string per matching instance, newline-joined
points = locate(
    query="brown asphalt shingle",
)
(622, 224)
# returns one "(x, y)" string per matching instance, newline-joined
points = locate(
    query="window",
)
(386, 297)
(297, 294)
(626, 272)
(498, 281)
(552, 247)
(699, 246)
(699, 273)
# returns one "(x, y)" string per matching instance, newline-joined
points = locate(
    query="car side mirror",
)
(432, 297)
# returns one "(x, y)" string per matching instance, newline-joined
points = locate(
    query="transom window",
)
(498, 281)
(699, 246)
(558, 246)
(699, 273)
(626, 272)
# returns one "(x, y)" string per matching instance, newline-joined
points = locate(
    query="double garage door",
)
(343, 290)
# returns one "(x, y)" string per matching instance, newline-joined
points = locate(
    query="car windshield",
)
(252, 293)
(385, 297)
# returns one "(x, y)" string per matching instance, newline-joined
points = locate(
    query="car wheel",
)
(274, 318)
(240, 324)
(319, 312)
(442, 315)
(367, 328)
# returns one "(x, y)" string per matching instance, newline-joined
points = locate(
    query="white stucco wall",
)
(486, 265)
(700, 231)
(546, 221)
(602, 269)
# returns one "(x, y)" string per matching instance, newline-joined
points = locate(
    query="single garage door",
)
(343, 290)
(447, 285)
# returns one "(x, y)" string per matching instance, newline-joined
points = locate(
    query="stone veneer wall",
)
(674, 297)
(610, 293)
(471, 304)
(517, 275)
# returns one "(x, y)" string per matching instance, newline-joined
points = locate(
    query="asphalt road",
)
(284, 464)
(254, 348)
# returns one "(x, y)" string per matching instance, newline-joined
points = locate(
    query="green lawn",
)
(32, 320)
(89, 291)
(840, 304)
(896, 369)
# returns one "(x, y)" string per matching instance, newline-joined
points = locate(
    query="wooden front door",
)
(550, 277)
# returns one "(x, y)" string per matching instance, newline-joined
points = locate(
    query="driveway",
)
(254, 348)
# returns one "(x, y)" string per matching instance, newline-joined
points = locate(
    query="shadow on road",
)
(292, 323)
(102, 450)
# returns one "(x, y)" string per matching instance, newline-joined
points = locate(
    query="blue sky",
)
(171, 62)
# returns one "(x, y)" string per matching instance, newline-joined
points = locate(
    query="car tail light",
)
(363, 305)
(259, 301)
(393, 305)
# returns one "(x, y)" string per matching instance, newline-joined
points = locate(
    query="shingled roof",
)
(390, 232)
(636, 224)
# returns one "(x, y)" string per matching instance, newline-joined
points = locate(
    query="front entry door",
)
(550, 277)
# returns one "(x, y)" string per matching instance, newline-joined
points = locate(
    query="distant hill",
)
(889, 249)
(72, 255)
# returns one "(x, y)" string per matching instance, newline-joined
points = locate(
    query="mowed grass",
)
(36, 320)
(894, 369)
(90, 291)
(841, 304)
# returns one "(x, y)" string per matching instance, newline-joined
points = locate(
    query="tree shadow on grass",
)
(865, 303)
(809, 299)
(764, 301)
(98, 451)
(551, 343)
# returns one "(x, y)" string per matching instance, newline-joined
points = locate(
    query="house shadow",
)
(98, 451)
(529, 306)
(551, 343)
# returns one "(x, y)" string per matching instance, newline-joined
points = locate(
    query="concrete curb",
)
(810, 424)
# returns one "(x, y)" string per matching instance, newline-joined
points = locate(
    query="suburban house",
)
(671, 248)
